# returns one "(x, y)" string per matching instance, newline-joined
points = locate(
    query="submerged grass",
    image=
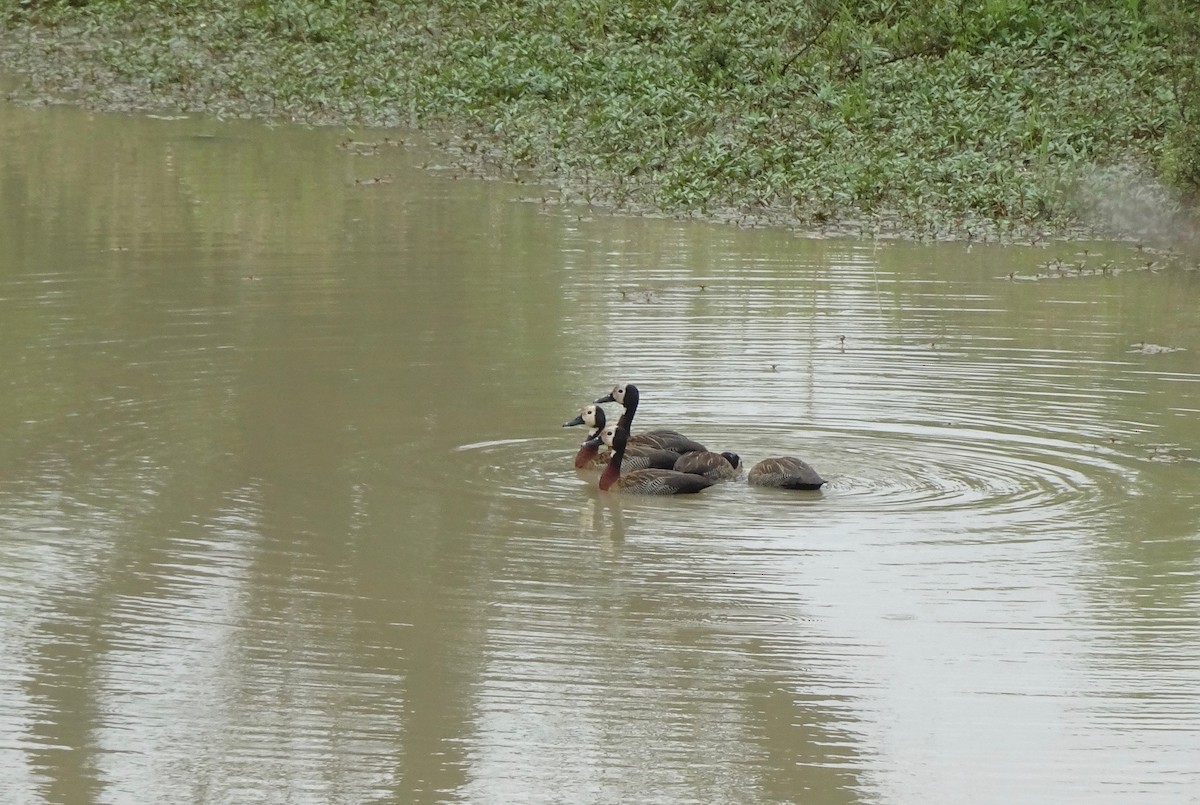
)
(928, 117)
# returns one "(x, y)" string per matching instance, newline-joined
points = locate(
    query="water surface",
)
(287, 514)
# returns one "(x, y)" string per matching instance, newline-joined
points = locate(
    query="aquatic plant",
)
(937, 117)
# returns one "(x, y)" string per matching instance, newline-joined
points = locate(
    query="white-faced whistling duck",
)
(785, 472)
(647, 481)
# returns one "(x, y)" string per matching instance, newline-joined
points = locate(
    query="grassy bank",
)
(929, 117)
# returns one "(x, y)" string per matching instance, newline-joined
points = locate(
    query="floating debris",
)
(1168, 453)
(1153, 349)
(1057, 269)
(367, 148)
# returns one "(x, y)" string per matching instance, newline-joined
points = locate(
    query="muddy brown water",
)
(287, 514)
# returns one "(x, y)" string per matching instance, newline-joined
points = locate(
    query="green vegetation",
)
(936, 116)
(1180, 162)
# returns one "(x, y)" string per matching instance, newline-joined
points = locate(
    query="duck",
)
(644, 449)
(645, 481)
(784, 472)
(627, 395)
(639, 456)
(723, 466)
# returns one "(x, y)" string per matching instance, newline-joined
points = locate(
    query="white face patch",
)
(618, 393)
(609, 435)
(588, 412)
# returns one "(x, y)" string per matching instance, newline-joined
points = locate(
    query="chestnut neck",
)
(612, 471)
(585, 455)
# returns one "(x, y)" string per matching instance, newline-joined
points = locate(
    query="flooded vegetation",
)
(932, 119)
(287, 513)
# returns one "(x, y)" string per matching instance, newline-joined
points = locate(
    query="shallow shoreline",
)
(61, 65)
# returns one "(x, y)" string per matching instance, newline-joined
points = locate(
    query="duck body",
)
(714, 466)
(640, 457)
(671, 440)
(659, 482)
(784, 472)
(637, 456)
(644, 481)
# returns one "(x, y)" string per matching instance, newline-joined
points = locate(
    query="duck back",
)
(639, 457)
(784, 472)
(714, 466)
(668, 440)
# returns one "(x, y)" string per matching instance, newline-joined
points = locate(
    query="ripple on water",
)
(1020, 478)
(998, 476)
(537, 470)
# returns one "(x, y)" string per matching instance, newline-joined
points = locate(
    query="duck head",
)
(733, 458)
(608, 436)
(626, 394)
(591, 415)
(615, 436)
